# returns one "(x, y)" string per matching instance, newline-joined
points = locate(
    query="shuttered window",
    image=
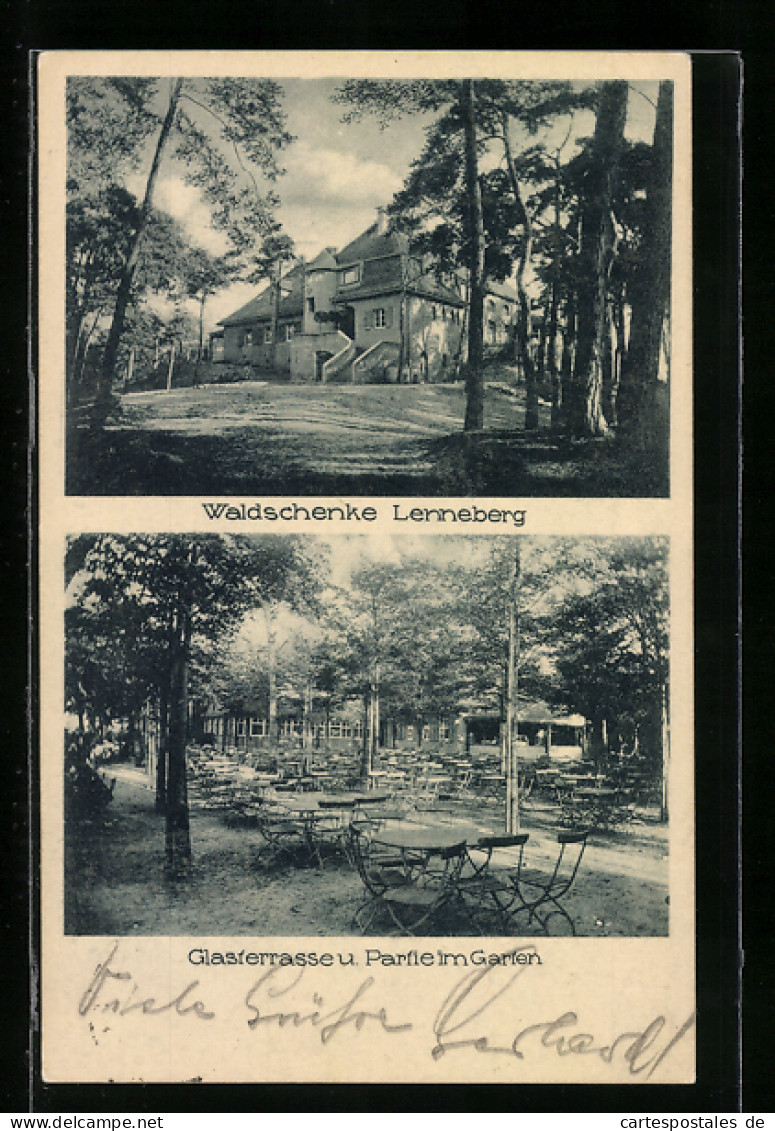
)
(381, 318)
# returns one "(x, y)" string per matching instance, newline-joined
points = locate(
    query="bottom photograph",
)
(292, 735)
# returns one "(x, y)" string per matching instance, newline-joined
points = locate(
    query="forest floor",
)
(260, 437)
(114, 881)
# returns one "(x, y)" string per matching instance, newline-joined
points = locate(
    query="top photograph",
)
(368, 286)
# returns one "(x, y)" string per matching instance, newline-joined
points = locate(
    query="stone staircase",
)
(372, 364)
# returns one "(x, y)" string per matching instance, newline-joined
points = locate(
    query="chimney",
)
(381, 225)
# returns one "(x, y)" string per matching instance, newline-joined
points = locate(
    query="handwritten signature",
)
(459, 1023)
(641, 1050)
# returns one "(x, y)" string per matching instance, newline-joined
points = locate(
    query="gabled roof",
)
(372, 244)
(325, 261)
(259, 309)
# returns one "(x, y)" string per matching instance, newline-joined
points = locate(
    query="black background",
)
(715, 32)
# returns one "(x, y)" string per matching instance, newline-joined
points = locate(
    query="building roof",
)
(427, 287)
(502, 290)
(259, 309)
(528, 711)
(372, 244)
(325, 261)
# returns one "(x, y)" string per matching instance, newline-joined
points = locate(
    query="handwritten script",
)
(288, 999)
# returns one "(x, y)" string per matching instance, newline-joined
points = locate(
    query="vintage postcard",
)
(366, 567)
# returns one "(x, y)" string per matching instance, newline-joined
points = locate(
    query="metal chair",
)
(284, 835)
(482, 888)
(545, 889)
(380, 868)
(427, 888)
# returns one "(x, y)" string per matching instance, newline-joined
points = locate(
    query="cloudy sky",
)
(336, 174)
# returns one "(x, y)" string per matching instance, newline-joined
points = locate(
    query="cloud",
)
(184, 203)
(329, 176)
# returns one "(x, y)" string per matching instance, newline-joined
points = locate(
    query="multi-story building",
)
(373, 311)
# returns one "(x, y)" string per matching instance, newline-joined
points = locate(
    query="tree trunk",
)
(474, 418)
(649, 293)
(201, 345)
(568, 358)
(306, 730)
(160, 802)
(104, 399)
(178, 838)
(375, 718)
(271, 665)
(608, 366)
(275, 309)
(512, 700)
(525, 321)
(553, 359)
(171, 367)
(366, 748)
(130, 367)
(596, 254)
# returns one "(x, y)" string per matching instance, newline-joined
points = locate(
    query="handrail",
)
(338, 361)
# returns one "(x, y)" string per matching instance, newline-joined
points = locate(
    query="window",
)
(351, 275)
(433, 312)
(268, 335)
(410, 732)
(288, 332)
(347, 730)
(334, 730)
(240, 728)
(443, 732)
(426, 733)
(358, 730)
(310, 306)
(379, 319)
(257, 728)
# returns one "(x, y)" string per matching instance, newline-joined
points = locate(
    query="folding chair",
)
(284, 835)
(428, 889)
(483, 888)
(379, 867)
(545, 889)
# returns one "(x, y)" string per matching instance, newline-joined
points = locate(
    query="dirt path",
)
(114, 883)
(254, 437)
